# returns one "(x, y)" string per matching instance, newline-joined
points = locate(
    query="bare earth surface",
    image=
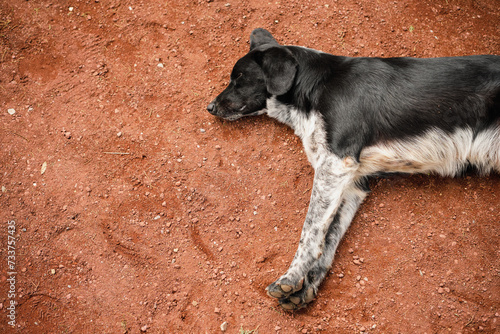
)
(137, 211)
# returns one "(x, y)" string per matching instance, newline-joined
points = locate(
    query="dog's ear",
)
(260, 37)
(279, 66)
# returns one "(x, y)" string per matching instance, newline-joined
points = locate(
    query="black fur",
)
(365, 100)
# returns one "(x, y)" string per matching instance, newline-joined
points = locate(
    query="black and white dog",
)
(359, 117)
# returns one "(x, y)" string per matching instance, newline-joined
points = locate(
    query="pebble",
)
(144, 328)
(223, 326)
(260, 259)
(11, 111)
(119, 134)
(217, 310)
(44, 167)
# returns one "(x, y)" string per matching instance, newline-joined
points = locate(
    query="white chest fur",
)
(309, 127)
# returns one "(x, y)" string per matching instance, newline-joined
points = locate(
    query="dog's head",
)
(268, 69)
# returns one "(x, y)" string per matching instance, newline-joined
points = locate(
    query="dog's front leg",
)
(333, 184)
(350, 204)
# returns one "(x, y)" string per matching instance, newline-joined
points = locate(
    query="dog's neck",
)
(288, 115)
(307, 125)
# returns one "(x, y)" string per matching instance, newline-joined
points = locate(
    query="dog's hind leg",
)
(334, 181)
(350, 204)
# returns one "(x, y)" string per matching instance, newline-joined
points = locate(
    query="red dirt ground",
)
(153, 216)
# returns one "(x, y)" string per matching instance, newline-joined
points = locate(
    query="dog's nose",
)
(211, 108)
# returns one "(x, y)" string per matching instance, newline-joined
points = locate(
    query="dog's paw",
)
(284, 287)
(292, 295)
(298, 299)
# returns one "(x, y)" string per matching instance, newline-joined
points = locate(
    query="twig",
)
(470, 321)
(117, 153)
(16, 134)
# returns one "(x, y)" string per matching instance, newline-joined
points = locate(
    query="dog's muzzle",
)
(211, 108)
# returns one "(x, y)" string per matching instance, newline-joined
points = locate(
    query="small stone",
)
(144, 328)
(194, 303)
(223, 326)
(11, 111)
(217, 310)
(260, 259)
(119, 134)
(52, 271)
(44, 168)
(440, 290)
(160, 65)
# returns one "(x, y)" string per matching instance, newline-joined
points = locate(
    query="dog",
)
(359, 117)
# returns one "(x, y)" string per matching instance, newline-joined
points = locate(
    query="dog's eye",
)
(235, 80)
(237, 77)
